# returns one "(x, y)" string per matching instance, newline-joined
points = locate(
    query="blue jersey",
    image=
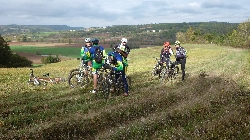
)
(117, 60)
(93, 49)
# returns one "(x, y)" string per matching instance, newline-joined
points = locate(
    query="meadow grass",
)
(68, 51)
(211, 107)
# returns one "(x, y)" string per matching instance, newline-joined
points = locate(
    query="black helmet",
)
(95, 40)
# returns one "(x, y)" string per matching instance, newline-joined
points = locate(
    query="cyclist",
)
(115, 58)
(181, 55)
(124, 50)
(166, 52)
(95, 65)
(85, 54)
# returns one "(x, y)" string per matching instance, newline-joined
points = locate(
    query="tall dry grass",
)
(216, 106)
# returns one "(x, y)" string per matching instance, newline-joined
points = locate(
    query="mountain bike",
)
(108, 82)
(158, 68)
(80, 77)
(170, 72)
(43, 80)
(103, 81)
(81, 67)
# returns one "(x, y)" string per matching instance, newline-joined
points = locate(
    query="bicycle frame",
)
(43, 80)
(33, 79)
(107, 81)
(81, 76)
(81, 68)
(169, 72)
(158, 68)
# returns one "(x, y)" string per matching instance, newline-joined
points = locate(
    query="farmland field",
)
(36, 51)
(216, 106)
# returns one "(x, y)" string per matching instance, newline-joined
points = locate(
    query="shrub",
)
(19, 61)
(7, 59)
(50, 59)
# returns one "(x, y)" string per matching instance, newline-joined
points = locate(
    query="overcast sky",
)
(100, 13)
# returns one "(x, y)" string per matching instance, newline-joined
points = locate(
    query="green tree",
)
(24, 38)
(181, 37)
(241, 36)
(190, 35)
(7, 59)
(5, 53)
(208, 37)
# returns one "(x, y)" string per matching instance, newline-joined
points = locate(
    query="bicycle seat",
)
(46, 74)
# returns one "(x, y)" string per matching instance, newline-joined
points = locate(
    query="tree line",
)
(220, 33)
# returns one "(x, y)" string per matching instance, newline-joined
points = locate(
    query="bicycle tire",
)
(107, 86)
(172, 73)
(78, 80)
(119, 86)
(156, 71)
(176, 71)
(162, 75)
(103, 84)
(74, 70)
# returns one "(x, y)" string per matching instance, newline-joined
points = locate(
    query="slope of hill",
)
(213, 107)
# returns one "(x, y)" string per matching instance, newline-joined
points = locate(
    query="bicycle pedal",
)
(46, 74)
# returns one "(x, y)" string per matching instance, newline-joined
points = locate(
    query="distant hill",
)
(13, 28)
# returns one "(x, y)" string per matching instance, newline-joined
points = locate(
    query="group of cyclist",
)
(116, 60)
(180, 55)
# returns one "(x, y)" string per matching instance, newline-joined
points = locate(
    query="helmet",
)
(166, 44)
(95, 40)
(177, 42)
(87, 40)
(124, 40)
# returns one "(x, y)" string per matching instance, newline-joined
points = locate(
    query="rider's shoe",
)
(125, 94)
(93, 91)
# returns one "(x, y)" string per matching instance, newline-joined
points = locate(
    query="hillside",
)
(216, 106)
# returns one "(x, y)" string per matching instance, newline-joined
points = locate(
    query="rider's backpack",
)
(112, 59)
(181, 53)
(98, 55)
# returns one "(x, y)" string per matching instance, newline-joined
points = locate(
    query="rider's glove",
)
(114, 68)
(107, 66)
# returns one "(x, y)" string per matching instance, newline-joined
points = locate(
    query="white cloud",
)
(85, 13)
(194, 5)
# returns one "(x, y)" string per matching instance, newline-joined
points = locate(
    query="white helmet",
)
(124, 40)
(87, 39)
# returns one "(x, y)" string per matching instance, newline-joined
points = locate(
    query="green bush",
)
(50, 59)
(7, 59)
(19, 61)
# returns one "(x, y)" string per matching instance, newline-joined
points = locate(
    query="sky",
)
(101, 13)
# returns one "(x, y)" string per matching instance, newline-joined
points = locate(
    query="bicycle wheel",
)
(106, 87)
(103, 84)
(156, 71)
(163, 74)
(175, 72)
(119, 86)
(78, 79)
(74, 70)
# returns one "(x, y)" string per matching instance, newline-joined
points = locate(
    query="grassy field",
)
(69, 51)
(213, 107)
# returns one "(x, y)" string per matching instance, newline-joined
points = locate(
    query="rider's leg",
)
(183, 63)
